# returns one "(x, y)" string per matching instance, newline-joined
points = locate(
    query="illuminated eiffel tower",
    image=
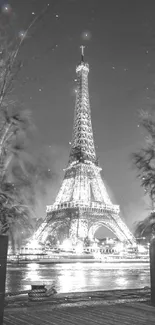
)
(82, 204)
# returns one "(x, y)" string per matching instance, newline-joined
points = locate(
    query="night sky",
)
(120, 41)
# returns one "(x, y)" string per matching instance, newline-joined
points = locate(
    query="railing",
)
(93, 206)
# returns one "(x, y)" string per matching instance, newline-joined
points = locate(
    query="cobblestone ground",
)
(83, 313)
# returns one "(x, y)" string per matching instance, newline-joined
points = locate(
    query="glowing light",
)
(86, 35)
(141, 249)
(121, 281)
(97, 255)
(119, 247)
(6, 9)
(109, 241)
(94, 246)
(79, 248)
(33, 274)
(33, 266)
(33, 244)
(66, 245)
(22, 34)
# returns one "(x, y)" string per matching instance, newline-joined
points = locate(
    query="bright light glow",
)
(79, 248)
(94, 245)
(66, 245)
(33, 266)
(33, 274)
(109, 241)
(33, 244)
(22, 34)
(119, 247)
(86, 35)
(6, 9)
(141, 249)
(97, 255)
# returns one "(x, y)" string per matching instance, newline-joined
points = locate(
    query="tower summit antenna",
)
(82, 47)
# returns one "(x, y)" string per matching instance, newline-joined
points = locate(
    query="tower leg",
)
(73, 232)
(78, 229)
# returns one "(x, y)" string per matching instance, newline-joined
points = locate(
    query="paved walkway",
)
(85, 314)
(116, 307)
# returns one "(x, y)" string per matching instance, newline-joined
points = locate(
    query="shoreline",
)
(107, 297)
(78, 260)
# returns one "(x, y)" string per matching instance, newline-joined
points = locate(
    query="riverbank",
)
(64, 260)
(15, 300)
(116, 307)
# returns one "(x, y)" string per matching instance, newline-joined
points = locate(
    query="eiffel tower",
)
(82, 204)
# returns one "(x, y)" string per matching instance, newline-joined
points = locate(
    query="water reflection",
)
(78, 276)
(121, 282)
(33, 274)
(70, 279)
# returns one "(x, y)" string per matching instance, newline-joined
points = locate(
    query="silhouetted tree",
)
(146, 228)
(144, 161)
(20, 173)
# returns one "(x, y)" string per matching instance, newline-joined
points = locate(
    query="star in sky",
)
(22, 34)
(6, 9)
(86, 35)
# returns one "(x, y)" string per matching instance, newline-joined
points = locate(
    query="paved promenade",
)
(114, 314)
(120, 307)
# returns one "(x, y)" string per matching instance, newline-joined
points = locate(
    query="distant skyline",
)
(120, 41)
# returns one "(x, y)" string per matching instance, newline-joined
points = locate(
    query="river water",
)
(78, 276)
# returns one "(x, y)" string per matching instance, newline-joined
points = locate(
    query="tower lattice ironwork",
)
(82, 204)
